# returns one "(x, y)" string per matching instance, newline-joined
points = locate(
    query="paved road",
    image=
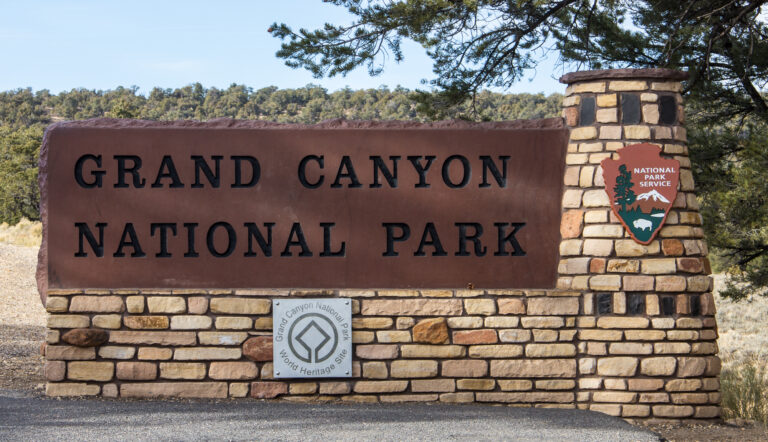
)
(25, 418)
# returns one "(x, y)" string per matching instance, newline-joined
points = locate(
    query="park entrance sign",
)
(544, 263)
(279, 207)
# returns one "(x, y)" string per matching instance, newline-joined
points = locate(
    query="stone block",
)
(85, 337)
(375, 370)
(572, 198)
(553, 306)
(598, 247)
(465, 322)
(659, 266)
(549, 350)
(645, 384)
(614, 396)
(595, 198)
(111, 322)
(666, 348)
(55, 370)
(658, 366)
(206, 353)
(630, 348)
(71, 389)
(137, 371)
(432, 351)
(198, 306)
(414, 307)
(475, 384)
(537, 368)
(220, 338)
(637, 132)
(152, 338)
(514, 335)
(182, 370)
(622, 322)
(515, 384)
(153, 353)
(651, 114)
(68, 321)
(470, 337)
(495, 351)
(617, 366)
(115, 352)
(146, 322)
(69, 353)
(623, 266)
(239, 389)
(502, 321)
(638, 283)
(393, 336)
(377, 351)
(380, 386)
(605, 282)
(96, 304)
(542, 322)
(371, 323)
(134, 304)
(600, 335)
(673, 411)
(166, 304)
(609, 115)
(413, 369)
(525, 397)
(644, 335)
(90, 371)
(457, 398)
(483, 307)
(630, 410)
(583, 133)
(240, 306)
(56, 304)
(233, 370)
(629, 248)
(461, 368)
(209, 390)
(335, 388)
(690, 367)
(628, 85)
(233, 323)
(190, 322)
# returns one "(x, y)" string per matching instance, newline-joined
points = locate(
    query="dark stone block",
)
(636, 304)
(695, 303)
(630, 108)
(604, 303)
(587, 111)
(667, 110)
(667, 305)
(85, 337)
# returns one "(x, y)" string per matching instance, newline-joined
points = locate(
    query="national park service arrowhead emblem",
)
(641, 187)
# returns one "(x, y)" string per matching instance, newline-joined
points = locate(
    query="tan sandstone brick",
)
(175, 389)
(658, 366)
(166, 304)
(415, 307)
(206, 353)
(97, 304)
(413, 369)
(240, 306)
(617, 366)
(464, 368)
(90, 371)
(539, 368)
(233, 370)
(432, 351)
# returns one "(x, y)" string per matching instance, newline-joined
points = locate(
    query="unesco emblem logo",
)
(312, 338)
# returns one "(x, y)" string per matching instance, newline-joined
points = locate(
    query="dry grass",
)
(743, 339)
(25, 233)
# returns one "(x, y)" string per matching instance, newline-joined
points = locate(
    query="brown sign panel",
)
(642, 186)
(253, 205)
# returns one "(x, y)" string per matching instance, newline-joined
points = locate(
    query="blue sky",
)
(60, 45)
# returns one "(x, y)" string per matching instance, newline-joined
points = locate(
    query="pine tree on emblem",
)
(625, 196)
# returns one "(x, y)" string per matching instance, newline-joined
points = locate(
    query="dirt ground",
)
(22, 331)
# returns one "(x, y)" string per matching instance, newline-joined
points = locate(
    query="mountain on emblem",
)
(652, 194)
(641, 186)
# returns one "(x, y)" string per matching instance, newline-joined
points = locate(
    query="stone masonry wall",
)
(647, 335)
(629, 330)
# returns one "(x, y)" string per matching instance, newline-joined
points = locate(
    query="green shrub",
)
(19, 153)
(744, 387)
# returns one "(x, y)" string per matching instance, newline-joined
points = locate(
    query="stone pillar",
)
(647, 334)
